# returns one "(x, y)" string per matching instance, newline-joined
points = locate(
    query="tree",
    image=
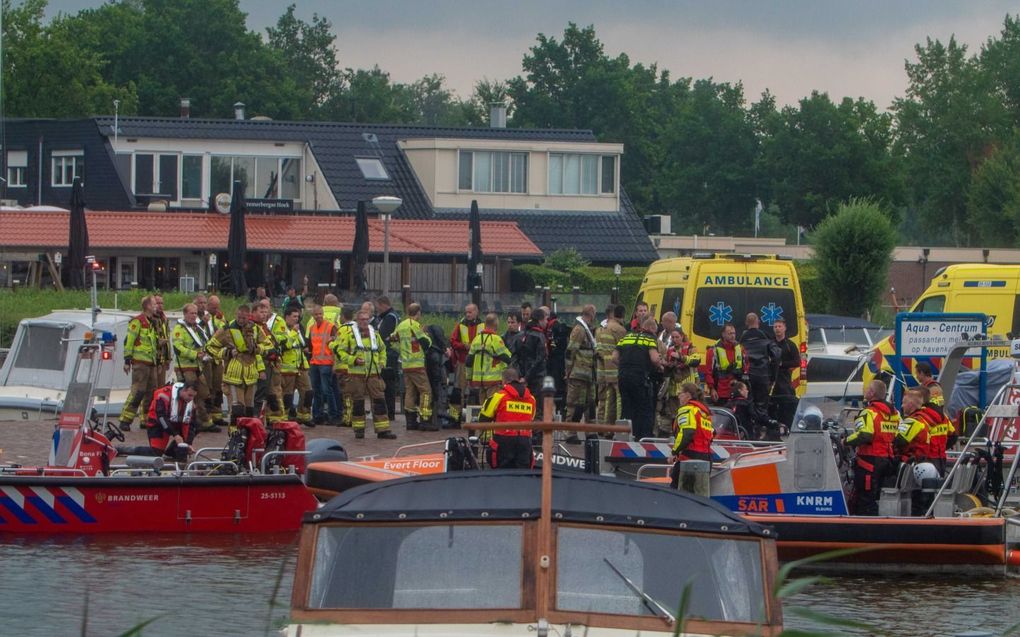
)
(486, 93)
(852, 253)
(993, 199)
(309, 52)
(47, 71)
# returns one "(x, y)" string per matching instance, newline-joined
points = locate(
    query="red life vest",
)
(514, 407)
(885, 427)
(921, 446)
(698, 418)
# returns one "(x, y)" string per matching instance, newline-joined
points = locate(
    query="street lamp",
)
(617, 270)
(213, 273)
(476, 292)
(386, 205)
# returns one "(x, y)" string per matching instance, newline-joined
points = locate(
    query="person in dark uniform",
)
(386, 322)
(761, 354)
(557, 335)
(783, 401)
(531, 354)
(637, 356)
(510, 448)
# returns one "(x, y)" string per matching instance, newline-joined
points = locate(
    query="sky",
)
(854, 48)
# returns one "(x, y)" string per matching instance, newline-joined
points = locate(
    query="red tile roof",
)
(279, 233)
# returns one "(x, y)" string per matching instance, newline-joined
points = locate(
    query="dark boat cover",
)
(515, 495)
(831, 321)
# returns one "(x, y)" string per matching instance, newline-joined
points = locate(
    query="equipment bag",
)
(248, 436)
(286, 435)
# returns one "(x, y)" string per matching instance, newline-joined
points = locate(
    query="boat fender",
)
(1013, 558)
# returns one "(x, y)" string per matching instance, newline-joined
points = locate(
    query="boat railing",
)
(646, 469)
(264, 466)
(43, 471)
(418, 445)
(198, 465)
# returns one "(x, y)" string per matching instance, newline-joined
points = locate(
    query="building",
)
(559, 188)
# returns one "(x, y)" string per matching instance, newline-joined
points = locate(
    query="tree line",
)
(942, 162)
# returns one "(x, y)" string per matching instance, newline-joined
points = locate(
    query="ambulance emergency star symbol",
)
(720, 313)
(771, 313)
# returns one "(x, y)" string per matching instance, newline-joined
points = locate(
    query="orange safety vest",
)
(921, 447)
(321, 336)
(513, 407)
(881, 445)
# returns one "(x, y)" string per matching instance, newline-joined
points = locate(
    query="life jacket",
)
(486, 369)
(938, 437)
(884, 423)
(463, 333)
(514, 407)
(320, 337)
(697, 417)
(917, 430)
(178, 413)
(142, 342)
(721, 362)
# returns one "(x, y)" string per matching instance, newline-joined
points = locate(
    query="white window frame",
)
(156, 155)
(17, 168)
(580, 174)
(207, 172)
(60, 158)
(373, 161)
(121, 262)
(492, 167)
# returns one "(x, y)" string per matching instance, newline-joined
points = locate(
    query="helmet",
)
(810, 419)
(924, 471)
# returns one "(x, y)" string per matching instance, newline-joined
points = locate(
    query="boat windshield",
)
(418, 567)
(724, 575)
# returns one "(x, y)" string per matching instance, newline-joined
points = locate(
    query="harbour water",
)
(226, 585)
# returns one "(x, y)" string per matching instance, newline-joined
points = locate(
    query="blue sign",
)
(805, 503)
(929, 337)
(771, 313)
(720, 313)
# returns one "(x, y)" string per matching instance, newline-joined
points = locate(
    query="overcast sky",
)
(854, 48)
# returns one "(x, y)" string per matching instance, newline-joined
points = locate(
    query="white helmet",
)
(924, 471)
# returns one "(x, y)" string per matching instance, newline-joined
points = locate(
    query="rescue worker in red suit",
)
(693, 430)
(913, 440)
(725, 362)
(510, 448)
(171, 425)
(875, 429)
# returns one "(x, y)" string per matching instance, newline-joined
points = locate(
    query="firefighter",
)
(510, 448)
(193, 362)
(171, 423)
(637, 356)
(581, 367)
(693, 430)
(365, 354)
(164, 351)
(413, 343)
(913, 438)
(725, 362)
(269, 392)
(140, 347)
(681, 363)
(294, 369)
(926, 378)
(240, 346)
(606, 338)
(321, 335)
(875, 429)
(487, 357)
(340, 371)
(212, 321)
(464, 331)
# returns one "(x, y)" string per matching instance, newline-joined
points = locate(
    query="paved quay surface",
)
(28, 442)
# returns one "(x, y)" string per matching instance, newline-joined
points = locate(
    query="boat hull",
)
(46, 505)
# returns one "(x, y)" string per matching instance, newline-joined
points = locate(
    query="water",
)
(223, 585)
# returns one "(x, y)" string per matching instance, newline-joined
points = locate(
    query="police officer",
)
(510, 448)
(637, 356)
(875, 429)
(693, 430)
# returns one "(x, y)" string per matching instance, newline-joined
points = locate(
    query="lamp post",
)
(617, 271)
(213, 273)
(386, 205)
(476, 291)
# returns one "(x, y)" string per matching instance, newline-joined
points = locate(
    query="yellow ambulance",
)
(707, 291)
(985, 288)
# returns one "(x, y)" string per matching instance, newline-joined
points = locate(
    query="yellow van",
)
(707, 291)
(966, 287)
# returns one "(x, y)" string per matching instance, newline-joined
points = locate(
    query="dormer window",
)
(581, 174)
(372, 168)
(490, 171)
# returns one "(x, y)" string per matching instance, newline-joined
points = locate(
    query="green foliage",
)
(993, 199)
(811, 288)
(566, 260)
(853, 251)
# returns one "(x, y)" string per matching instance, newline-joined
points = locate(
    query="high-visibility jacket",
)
(292, 352)
(938, 435)
(319, 337)
(606, 339)
(141, 341)
(696, 418)
(487, 357)
(164, 348)
(724, 363)
(241, 348)
(463, 334)
(581, 351)
(413, 343)
(935, 396)
(509, 405)
(274, 335)
(211, 323)
(369, 348)
(331, 313)
(342, 332)
(189, 344)
(875, 429)
(914, 435)
(684, 360)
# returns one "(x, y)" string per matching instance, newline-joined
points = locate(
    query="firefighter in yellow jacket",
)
(365, 354)
(294, 368)
(274, 329)
(140, 353)
(240, 345)
(193, 363)
(487, 357)
(414, 342)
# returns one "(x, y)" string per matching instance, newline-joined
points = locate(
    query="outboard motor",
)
(325, 450)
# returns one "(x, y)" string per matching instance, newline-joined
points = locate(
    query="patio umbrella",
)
(78, 237)
(474, 279)
(359, 251)
(237, 242)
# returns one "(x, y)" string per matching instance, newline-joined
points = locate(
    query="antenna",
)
(116, 116)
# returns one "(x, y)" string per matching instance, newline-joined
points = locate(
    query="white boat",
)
(41, 362)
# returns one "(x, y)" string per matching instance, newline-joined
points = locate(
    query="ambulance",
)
(993, 290)
(707, 291)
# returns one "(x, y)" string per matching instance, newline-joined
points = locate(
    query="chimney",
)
(239, 110)
(497, 115)
(185, 107)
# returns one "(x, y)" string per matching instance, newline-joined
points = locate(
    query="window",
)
(156, 175)
(577, 174)
(491, 171)
(66, 166)
(191, 177)
(261, 177)
(714, 306)
(372, 168)
(17, 166)
(42, 347)
(931, 304)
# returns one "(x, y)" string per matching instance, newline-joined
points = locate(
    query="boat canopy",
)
(516, 495)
